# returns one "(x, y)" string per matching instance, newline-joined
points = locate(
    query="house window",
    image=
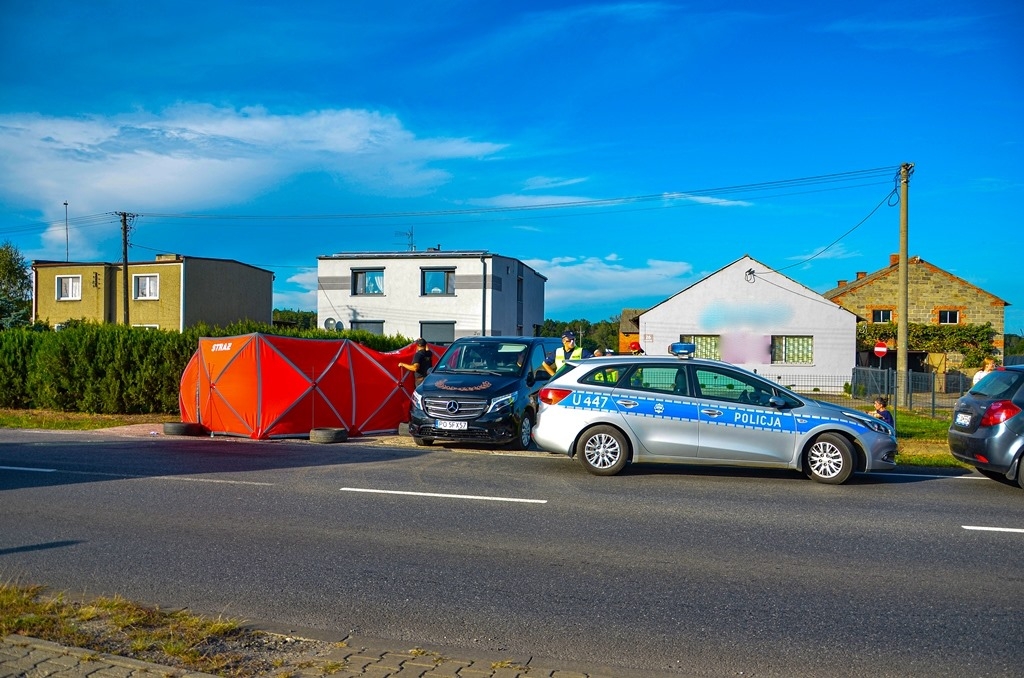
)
(371, 326)
(705, 345)
(793, 350)
(69, 287)
(881, 315)
(146, 286)
(949, 317)
(368, 282)
(442, 333)
(437, 282)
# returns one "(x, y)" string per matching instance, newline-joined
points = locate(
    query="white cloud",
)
(836, 251)
(516, 200)
(707, 200)
(579, 281)
(197, 156)
(547, 183)
(302, 299)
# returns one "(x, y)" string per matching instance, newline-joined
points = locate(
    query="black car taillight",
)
(998, 412)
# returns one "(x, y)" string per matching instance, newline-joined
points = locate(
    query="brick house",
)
(935, 297)
(629, 330)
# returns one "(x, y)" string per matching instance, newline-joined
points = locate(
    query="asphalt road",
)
(716, 572)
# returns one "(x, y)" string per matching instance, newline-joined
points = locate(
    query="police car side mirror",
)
(777, 402)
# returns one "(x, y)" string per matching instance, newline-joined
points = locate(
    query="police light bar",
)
(682, 349)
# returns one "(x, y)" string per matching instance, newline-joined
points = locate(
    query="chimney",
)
(861, 274)
(894, 259)
(841, 283)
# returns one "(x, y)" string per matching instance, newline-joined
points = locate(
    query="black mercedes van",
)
(482, 390)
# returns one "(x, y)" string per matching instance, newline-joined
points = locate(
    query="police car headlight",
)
(876, 425)
(503, 401)
(880, 427)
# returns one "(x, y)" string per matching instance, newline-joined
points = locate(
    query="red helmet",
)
(634, 346)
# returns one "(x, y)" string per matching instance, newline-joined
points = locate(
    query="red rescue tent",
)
(266, 386)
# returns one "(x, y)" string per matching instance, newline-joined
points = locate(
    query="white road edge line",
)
(446, 496)
(929, 475)
(993, 529)
(127, 476)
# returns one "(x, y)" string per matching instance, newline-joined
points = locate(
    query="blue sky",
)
(671, 137)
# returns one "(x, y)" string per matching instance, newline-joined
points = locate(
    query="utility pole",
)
(126, 218)
(903, 298)
(67, 240)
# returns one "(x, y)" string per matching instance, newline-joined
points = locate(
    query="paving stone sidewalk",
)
(25, 657)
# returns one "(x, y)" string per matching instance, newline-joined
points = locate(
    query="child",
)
(882, 413)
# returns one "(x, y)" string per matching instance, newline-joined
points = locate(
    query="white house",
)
(761, 320)
(434, 294)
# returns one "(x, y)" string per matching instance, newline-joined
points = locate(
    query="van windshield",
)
(487, 357)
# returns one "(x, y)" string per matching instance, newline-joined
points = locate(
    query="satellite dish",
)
(330, 323)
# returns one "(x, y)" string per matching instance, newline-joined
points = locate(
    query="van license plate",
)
(446, 425)
(963, 419)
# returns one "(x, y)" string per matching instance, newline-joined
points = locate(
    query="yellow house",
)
(172, 292)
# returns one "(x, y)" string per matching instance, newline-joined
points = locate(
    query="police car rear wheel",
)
(602, 451)
(830, 459)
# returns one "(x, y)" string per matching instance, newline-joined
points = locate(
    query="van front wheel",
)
(525, 437)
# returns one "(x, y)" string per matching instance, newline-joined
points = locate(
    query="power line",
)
(886, 200)
(858, 175)
(671, 199)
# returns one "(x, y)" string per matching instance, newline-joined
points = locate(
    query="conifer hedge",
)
(113, 369)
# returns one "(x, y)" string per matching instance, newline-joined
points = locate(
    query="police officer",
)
(569, 351)
(609, 375)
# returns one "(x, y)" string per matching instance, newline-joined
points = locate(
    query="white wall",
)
(745, 311)
(402, 307)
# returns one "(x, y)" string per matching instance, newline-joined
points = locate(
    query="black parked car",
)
(987, 430)
(482, 390)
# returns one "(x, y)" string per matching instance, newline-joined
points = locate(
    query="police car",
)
(612, 411)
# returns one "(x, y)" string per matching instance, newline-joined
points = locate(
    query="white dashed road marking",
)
(447, 496)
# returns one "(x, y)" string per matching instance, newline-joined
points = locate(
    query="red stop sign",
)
(881, 349)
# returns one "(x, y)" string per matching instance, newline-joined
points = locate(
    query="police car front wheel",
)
(830, 459)
(602, 450)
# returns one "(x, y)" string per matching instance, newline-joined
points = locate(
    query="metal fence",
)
(929, 392)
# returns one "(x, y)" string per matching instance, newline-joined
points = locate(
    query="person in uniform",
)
(568, 351)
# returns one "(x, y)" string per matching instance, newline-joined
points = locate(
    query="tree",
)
(603, 334)
(1014, 344)
(300, 320)
(15, 287)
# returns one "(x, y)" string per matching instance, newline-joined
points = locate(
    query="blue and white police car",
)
(612, 411)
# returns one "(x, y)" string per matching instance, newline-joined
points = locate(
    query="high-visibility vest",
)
(560, 358)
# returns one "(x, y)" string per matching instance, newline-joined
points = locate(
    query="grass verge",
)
(117, 626)
(76, 421)
(172, 638)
